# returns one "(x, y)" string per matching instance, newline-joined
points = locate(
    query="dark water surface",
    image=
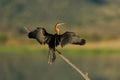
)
(30, 66)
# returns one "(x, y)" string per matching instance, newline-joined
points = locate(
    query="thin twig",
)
(85, 76)
(26, 29)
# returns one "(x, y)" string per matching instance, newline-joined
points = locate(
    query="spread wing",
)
(40, 35)
(72, 38)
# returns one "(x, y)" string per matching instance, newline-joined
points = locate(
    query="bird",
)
(53, 40)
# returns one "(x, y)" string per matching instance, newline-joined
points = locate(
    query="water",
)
(30, 66)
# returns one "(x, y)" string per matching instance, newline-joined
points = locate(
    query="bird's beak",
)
(59, 24)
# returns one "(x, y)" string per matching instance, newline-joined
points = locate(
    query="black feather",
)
(53, 40)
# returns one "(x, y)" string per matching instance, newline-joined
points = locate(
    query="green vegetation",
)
(30, 49)
(96, 19)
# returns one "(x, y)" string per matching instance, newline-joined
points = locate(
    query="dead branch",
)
(85, 76)
(26, 29)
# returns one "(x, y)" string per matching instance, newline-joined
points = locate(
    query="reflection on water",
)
(35, 67)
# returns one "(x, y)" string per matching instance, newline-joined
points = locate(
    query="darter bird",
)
(53, 40)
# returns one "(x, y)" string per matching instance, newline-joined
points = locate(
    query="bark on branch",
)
(85, 76)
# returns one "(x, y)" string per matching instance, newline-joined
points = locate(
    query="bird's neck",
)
(57, 31)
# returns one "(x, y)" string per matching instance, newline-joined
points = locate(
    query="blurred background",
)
(98, 21)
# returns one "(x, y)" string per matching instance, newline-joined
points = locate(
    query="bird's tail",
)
(51, 56)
